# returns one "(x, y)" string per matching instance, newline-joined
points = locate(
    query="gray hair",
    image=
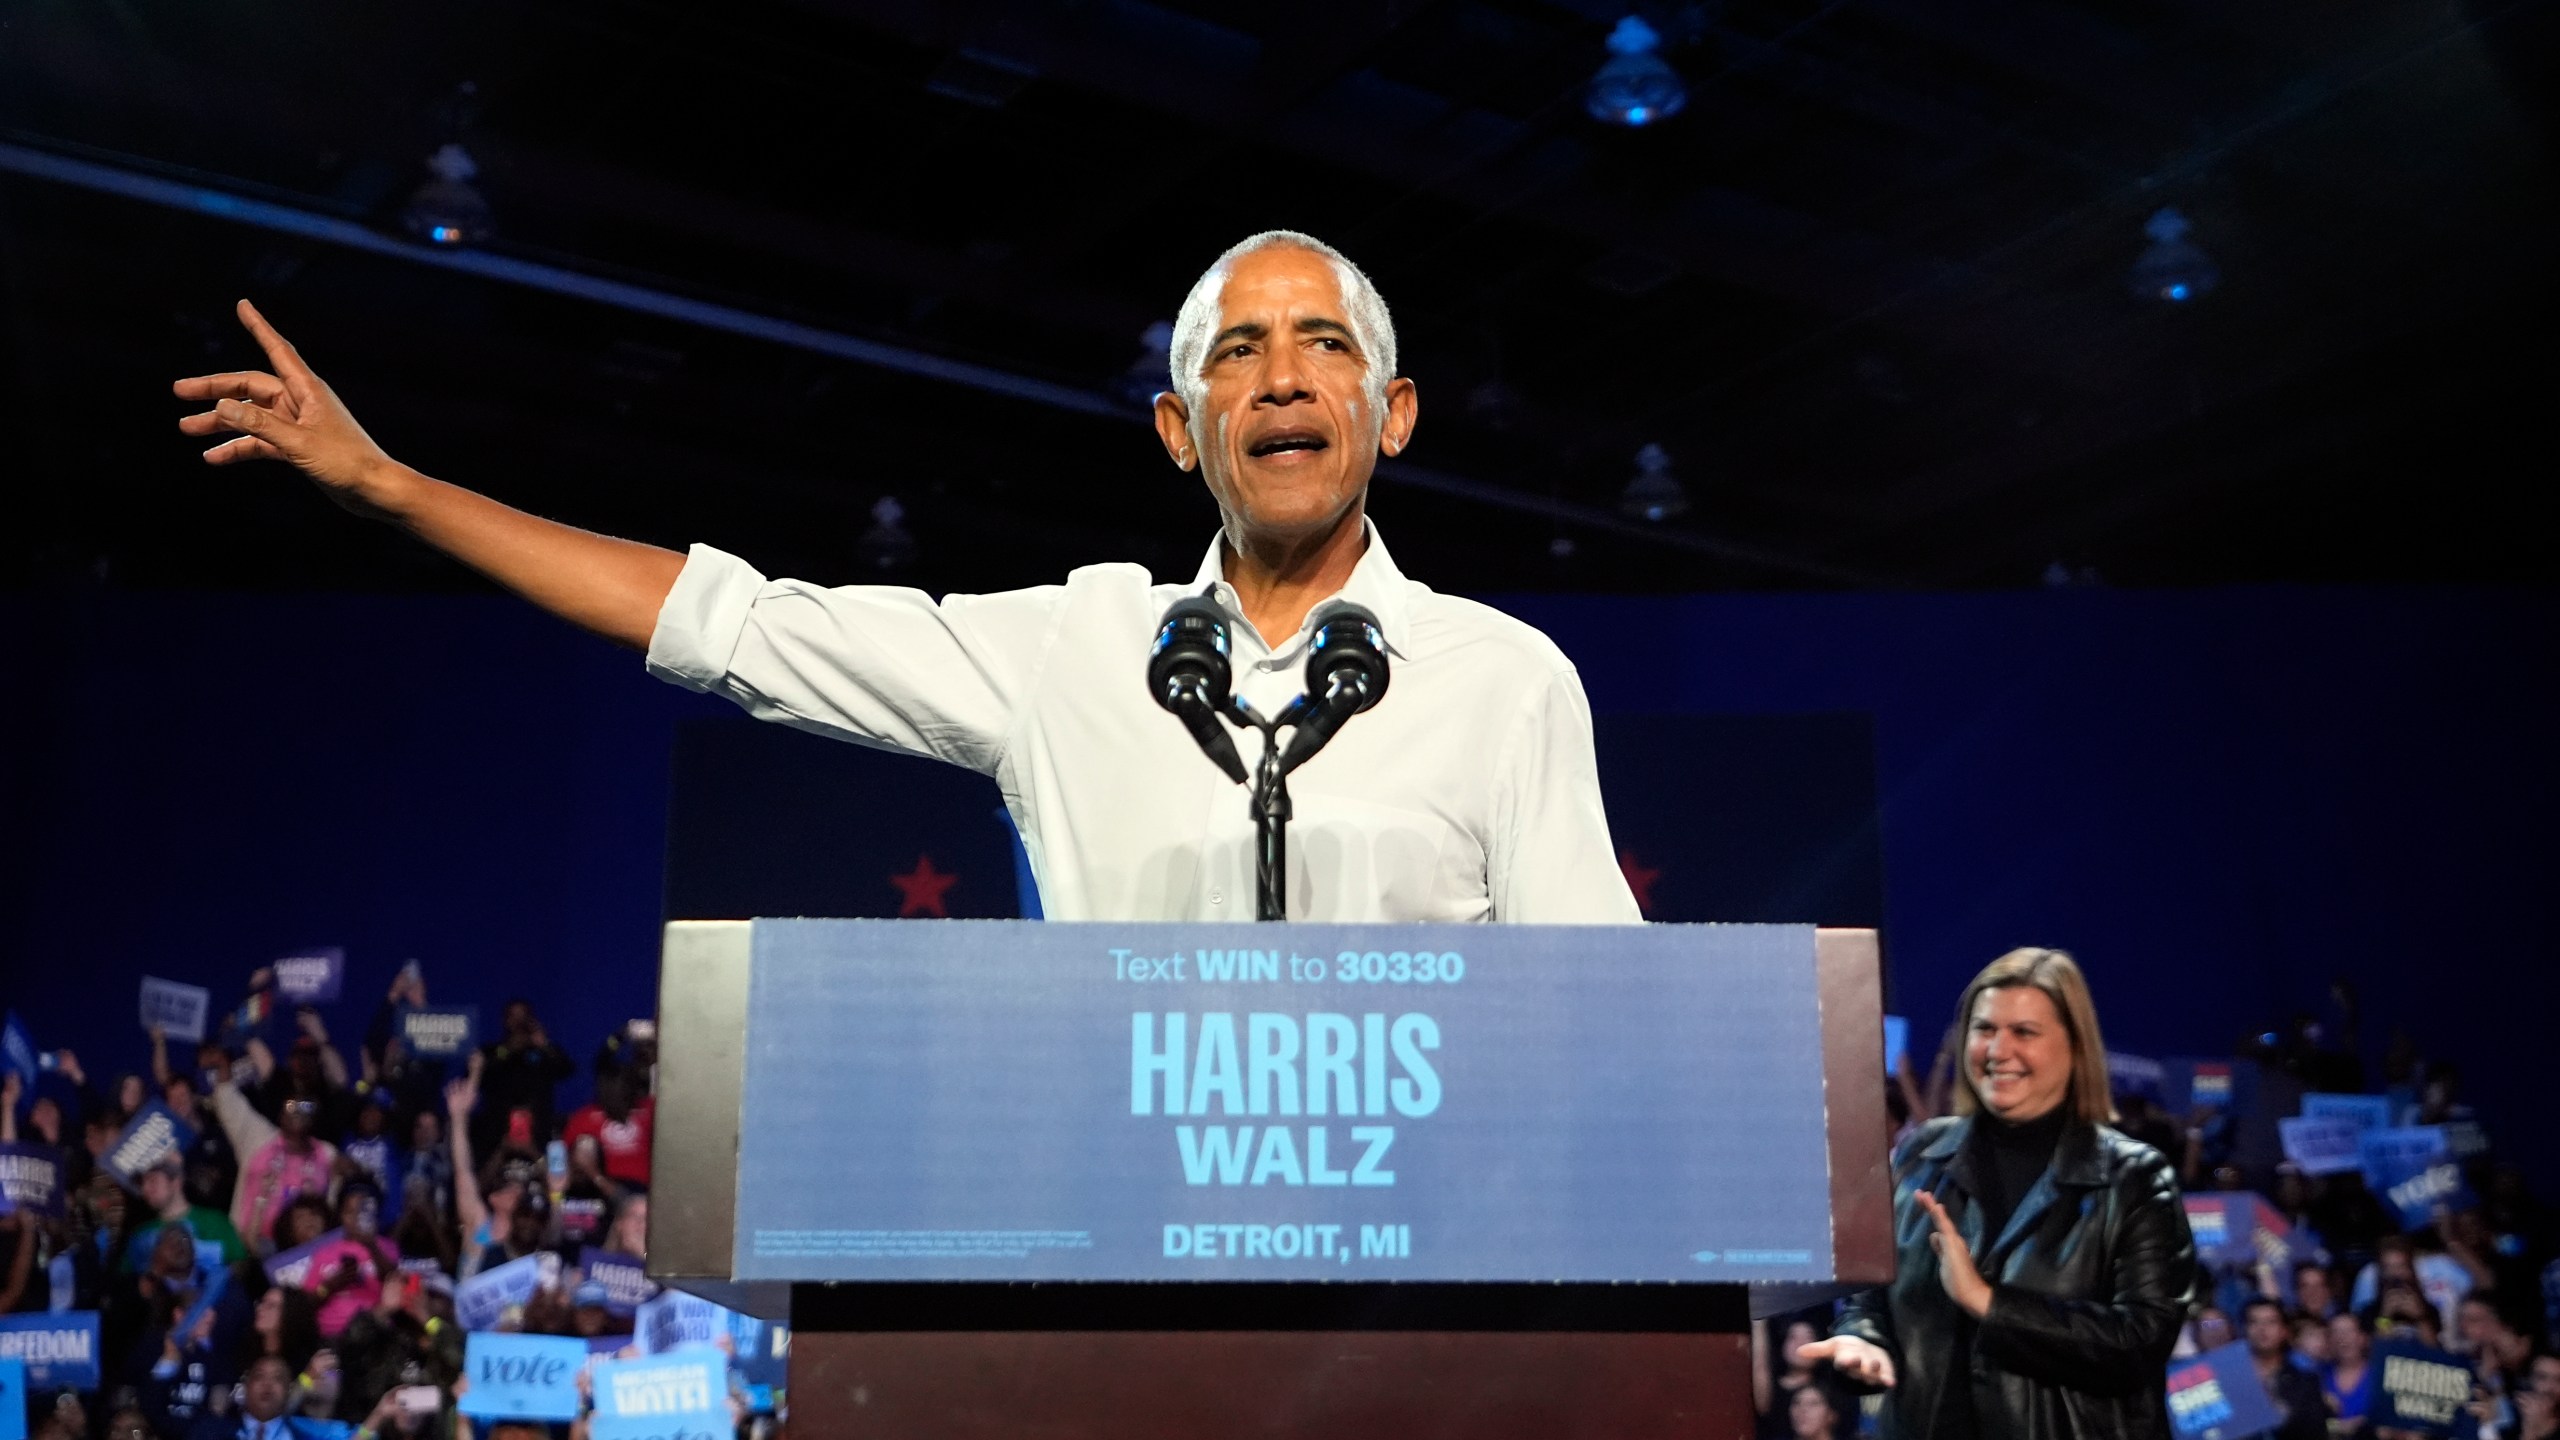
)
(1365, 312)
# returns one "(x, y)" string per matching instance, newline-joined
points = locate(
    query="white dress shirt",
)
(1468, 792)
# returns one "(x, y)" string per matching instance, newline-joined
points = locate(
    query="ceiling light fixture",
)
(1655, 493)
(887, 545)
(1636, 86)
(2174, 269)
(449, 210)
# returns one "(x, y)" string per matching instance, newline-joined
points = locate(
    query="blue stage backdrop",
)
(2221, 800)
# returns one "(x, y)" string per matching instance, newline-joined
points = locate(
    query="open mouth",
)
(1284, 442)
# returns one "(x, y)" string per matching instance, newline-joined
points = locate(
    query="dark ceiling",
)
(1868, 291)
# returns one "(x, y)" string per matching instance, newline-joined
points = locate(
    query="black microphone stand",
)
(1271, 809)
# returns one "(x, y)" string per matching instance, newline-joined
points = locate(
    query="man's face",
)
(180, 1096)
(2544, 1378)
(296, 1118)
(2311, 1287)
(1288, 431)
(262, 1389)
(2266, 1331)
(161, 1191)
(519, 1018)
(424, 1132)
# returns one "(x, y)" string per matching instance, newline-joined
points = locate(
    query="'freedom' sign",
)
(59, 1351)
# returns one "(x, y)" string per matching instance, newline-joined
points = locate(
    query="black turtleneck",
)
(2009, 1158)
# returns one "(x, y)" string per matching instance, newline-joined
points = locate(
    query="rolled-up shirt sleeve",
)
(1551, 862)
(882, 665)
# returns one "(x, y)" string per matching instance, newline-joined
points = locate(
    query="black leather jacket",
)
(2090, 1282)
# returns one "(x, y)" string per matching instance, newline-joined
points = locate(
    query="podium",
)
(1008, 1178)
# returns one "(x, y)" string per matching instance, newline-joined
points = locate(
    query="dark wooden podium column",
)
(1341, 1362)
(1121, 1385)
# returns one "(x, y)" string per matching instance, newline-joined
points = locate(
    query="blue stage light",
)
(1636, 86)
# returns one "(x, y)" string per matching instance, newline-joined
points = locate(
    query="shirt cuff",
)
(704, 615)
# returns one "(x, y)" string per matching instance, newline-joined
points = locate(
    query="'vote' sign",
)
(522, 1377)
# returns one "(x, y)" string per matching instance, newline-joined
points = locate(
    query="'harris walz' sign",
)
(1135, 1102)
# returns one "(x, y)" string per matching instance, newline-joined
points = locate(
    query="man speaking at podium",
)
(1467, 793)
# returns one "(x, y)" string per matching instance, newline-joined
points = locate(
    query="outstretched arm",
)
(613, 587)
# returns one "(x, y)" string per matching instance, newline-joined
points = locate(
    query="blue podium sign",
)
(1001, 1100)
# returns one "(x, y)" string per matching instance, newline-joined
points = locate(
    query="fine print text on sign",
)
(1184, 1102)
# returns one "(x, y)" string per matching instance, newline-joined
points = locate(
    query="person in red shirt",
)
(621, 1127)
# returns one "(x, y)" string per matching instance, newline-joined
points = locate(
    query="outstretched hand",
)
(290, 415)
(1861, 1360)
(1956, 1271)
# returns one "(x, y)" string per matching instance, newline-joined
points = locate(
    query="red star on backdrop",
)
(1639, 879)
(923, 888)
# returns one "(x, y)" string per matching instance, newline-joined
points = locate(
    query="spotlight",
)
(1655, 493)
(2175, 269)
(1635, 86)
(887, 545)
(449, 210)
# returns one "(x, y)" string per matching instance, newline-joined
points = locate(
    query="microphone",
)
(1187, 674)
(1346, 674)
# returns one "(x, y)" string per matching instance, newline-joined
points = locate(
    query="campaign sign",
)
(2369, 1112)
(625, 1279)
(154, 1133)
(2218, 1396)
(1181, 1101)
(59, 1351)
(18, 1052)
(179, 1010)
(311, 977)
(522, 1377)
(760, 1351)
(2323, 1144)
(444, 1032)
(662, 1397)
(292, 1268)
(31, 1179)
(2414, 1171)
(2419, 1390)
(1897, 1042)
(2236, 1227)
(2135, 1074)
(674, 1320)
(483, 1300)
(2204, 1085)
(13, 1400)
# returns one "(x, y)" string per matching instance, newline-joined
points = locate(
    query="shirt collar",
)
(1375, 585)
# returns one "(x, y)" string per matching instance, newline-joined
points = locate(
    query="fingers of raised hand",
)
(280, 351)
(255, 385)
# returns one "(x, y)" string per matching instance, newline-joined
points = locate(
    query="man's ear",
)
(1173, 427)
(1404, 407)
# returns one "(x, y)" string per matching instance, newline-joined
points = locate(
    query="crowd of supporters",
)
(292, 1271)
(291, 1274)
